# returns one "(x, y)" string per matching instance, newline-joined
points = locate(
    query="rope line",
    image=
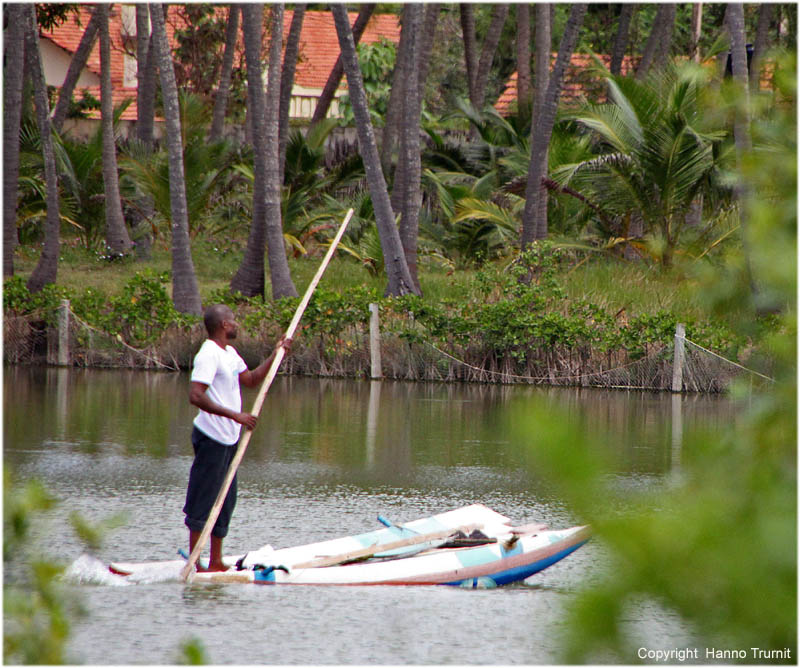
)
(511, 375)
(724, 359)
(119, 339)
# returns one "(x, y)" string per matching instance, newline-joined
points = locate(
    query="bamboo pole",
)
(262, 393)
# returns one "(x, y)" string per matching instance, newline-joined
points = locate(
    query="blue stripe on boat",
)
(519, 573)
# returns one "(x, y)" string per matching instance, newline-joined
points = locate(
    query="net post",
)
(375, 343)
(678, 357)
(63, 333)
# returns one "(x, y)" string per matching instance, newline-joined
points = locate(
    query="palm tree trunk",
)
(411, 199)
(665, 41)
(144, 59)
(653, 44)
(118, 241)
(14, 44)
(398, 275)
(146, 75)
(185, 292)
(697, 27)
(534, 226)
(47, 268)
(432, 11)
(76, 65)
(734, 20)
(335, 77)
(287, 80)
(765, 13)
(523, 44)
(542, 52)
(282, 285)
(395, 109)
(621, 38)
(541, 58)
(249, 279)
(221, 98)
(490, 42)
(467, 16)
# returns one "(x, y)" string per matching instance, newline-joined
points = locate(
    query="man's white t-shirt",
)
(219, 369)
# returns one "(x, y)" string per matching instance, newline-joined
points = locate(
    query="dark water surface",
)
(326, 458)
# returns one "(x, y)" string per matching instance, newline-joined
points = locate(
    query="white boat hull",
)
(517, 554)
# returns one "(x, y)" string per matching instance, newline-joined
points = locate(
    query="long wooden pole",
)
(188, 569)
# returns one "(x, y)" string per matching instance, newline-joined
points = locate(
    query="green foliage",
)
(209, 172)
(681, 545)
(193, 653)
(376, 61)
(654, 156)
(18, 300)
(93, 534)
(142, 311)
(35, 609)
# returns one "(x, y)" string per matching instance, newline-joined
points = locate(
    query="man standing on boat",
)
(217, 373)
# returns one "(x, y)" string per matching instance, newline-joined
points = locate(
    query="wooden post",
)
(375, 342)
(63, 333)
(678, 358)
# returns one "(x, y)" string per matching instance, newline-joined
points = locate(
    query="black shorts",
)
(211, 462)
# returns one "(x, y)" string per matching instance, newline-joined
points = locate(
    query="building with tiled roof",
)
(580, 81)
(318, 51)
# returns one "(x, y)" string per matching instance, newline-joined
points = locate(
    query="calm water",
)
(326, 458)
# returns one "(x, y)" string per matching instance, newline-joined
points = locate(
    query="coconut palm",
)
(654, 158)
(396, 267)
(12, 114)
(208, 167)
(185, 291)
(46, 269)
(117, 238)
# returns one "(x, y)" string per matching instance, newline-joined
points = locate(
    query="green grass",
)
(635, 287)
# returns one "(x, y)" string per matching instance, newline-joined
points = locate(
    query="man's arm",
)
(199, 397)
(253, 377)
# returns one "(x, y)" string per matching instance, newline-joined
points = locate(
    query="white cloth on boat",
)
(219, 369)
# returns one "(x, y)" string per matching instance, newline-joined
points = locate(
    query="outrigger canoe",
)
(473, 546)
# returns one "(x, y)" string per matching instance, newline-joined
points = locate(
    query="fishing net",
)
(33, 339)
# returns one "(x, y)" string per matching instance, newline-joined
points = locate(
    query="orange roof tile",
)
(579, 81)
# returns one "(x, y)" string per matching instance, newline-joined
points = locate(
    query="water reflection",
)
(386, 429)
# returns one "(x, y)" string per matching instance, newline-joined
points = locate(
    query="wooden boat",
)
(471, 546)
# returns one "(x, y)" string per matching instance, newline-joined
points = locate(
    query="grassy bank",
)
(576, 317)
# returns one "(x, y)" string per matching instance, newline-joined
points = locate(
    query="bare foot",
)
(213, 568)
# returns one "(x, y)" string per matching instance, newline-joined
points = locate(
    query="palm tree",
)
(621, 38)
(287, 80)
(335, 77)
(657, 46)
(765, 13)
(523, 48)
(145, 91)
(76, 65)
(534, 224)
(396, 267)
(146, 76)
(117, 239)
(207, 168)
(12, 113)
(490, 42)
(265, 229)
(655, 158)
(280, 277)
(185, 292)
(221, 98)
(47, 268)
(411, 196)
